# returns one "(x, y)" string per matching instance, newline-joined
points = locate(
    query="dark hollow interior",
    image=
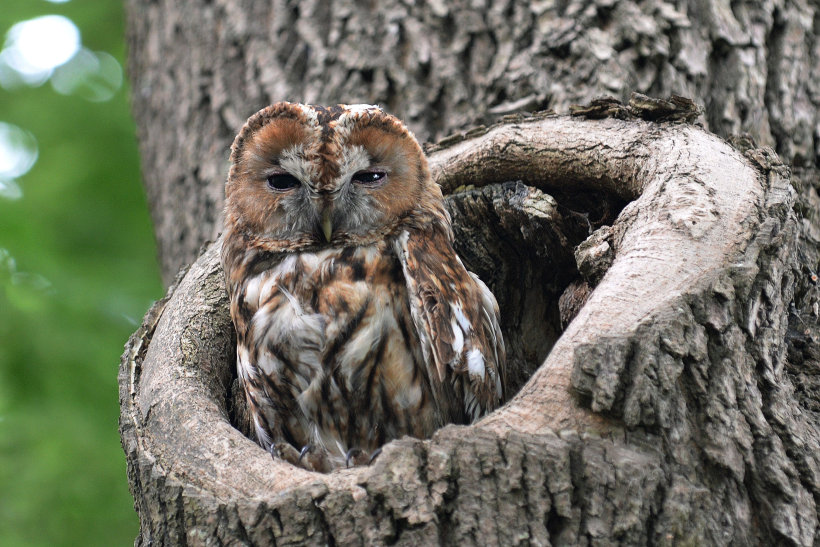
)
(521, 244)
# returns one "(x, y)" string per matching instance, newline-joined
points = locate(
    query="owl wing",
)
(456, 317)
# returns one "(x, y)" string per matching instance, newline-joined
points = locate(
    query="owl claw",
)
(309, 457)
(312, 458)
(284, 451)
(355, 454)
(360, 457)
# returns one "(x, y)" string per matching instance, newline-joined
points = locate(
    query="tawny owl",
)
(356, 321)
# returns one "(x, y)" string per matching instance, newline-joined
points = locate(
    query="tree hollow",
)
(684, 243)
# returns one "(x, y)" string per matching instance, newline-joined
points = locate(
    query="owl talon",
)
(359, 457)
(313, 458)
(355, 454)
(310, 457)
(286, 452)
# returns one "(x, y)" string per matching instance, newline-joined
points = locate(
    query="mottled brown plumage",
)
(356, 321)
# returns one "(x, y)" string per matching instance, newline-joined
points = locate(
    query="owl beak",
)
(327, 225)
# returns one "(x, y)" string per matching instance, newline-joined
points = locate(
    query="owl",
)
(356, 321)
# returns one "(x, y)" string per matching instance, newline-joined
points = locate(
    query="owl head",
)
(305, 176)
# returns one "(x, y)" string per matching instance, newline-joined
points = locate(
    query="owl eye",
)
(282, 182)
(369, 178)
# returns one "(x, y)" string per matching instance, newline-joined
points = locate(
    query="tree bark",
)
(201, 67)
(657, 285)
(662, 414)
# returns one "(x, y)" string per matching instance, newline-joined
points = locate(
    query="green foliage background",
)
(82, 224)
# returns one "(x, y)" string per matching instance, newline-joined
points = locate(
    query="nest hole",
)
(521, 242)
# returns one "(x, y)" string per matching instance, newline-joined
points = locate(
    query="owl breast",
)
(329, 355)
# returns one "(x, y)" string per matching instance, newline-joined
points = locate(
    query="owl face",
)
(308, 176)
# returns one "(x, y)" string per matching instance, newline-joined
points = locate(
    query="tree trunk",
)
(201, 67)
(656, 284)
(662, 413)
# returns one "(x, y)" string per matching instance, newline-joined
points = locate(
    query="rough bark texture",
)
(663, 414)
(199, 68)
(658, 287)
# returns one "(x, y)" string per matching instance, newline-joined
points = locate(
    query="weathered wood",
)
(663, 413)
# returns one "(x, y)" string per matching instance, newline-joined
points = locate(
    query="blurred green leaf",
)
(77, 271)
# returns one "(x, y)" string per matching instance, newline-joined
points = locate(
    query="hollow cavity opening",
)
(521, 241)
